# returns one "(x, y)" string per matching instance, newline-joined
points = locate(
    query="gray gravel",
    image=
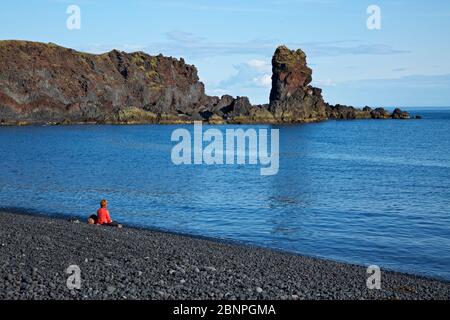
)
(142, 264)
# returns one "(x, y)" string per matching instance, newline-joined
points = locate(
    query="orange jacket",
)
(103, 216)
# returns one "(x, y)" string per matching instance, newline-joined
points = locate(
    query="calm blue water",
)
(366, 192)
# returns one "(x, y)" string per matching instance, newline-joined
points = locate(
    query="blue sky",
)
(405, 63)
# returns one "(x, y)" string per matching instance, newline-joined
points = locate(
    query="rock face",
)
(399, 114)
(46, 83)
(292, 99)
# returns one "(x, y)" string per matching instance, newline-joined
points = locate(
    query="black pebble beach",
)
(129, 263)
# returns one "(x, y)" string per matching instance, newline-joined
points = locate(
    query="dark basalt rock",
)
(46, 83)
(292, 99)
(380, 113)
(399, 114)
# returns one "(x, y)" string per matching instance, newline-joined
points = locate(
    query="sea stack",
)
(292, 98)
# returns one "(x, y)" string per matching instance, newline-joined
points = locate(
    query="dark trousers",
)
(111, 224)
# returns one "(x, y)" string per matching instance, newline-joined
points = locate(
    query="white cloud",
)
(260, 65)
(263, 81)
(250, 74)
(251, 78)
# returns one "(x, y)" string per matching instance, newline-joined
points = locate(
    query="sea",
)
(368, 192)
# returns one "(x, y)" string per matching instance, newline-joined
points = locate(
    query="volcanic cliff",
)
(46, 83)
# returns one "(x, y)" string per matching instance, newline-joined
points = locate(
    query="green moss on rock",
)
(136, 115)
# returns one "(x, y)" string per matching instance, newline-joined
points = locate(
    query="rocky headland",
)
(47, 83)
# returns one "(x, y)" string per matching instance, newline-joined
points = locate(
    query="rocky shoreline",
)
(129, 263)
(49, 84)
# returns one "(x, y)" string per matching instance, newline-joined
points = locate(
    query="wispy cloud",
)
(413, 90)
(323, 83)
(190, 45)
(183, 44)
(325, 49)
(439, 82)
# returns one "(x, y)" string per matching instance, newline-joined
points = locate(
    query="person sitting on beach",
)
(103, 217)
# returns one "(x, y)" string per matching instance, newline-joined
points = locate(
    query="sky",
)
(405, 62)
